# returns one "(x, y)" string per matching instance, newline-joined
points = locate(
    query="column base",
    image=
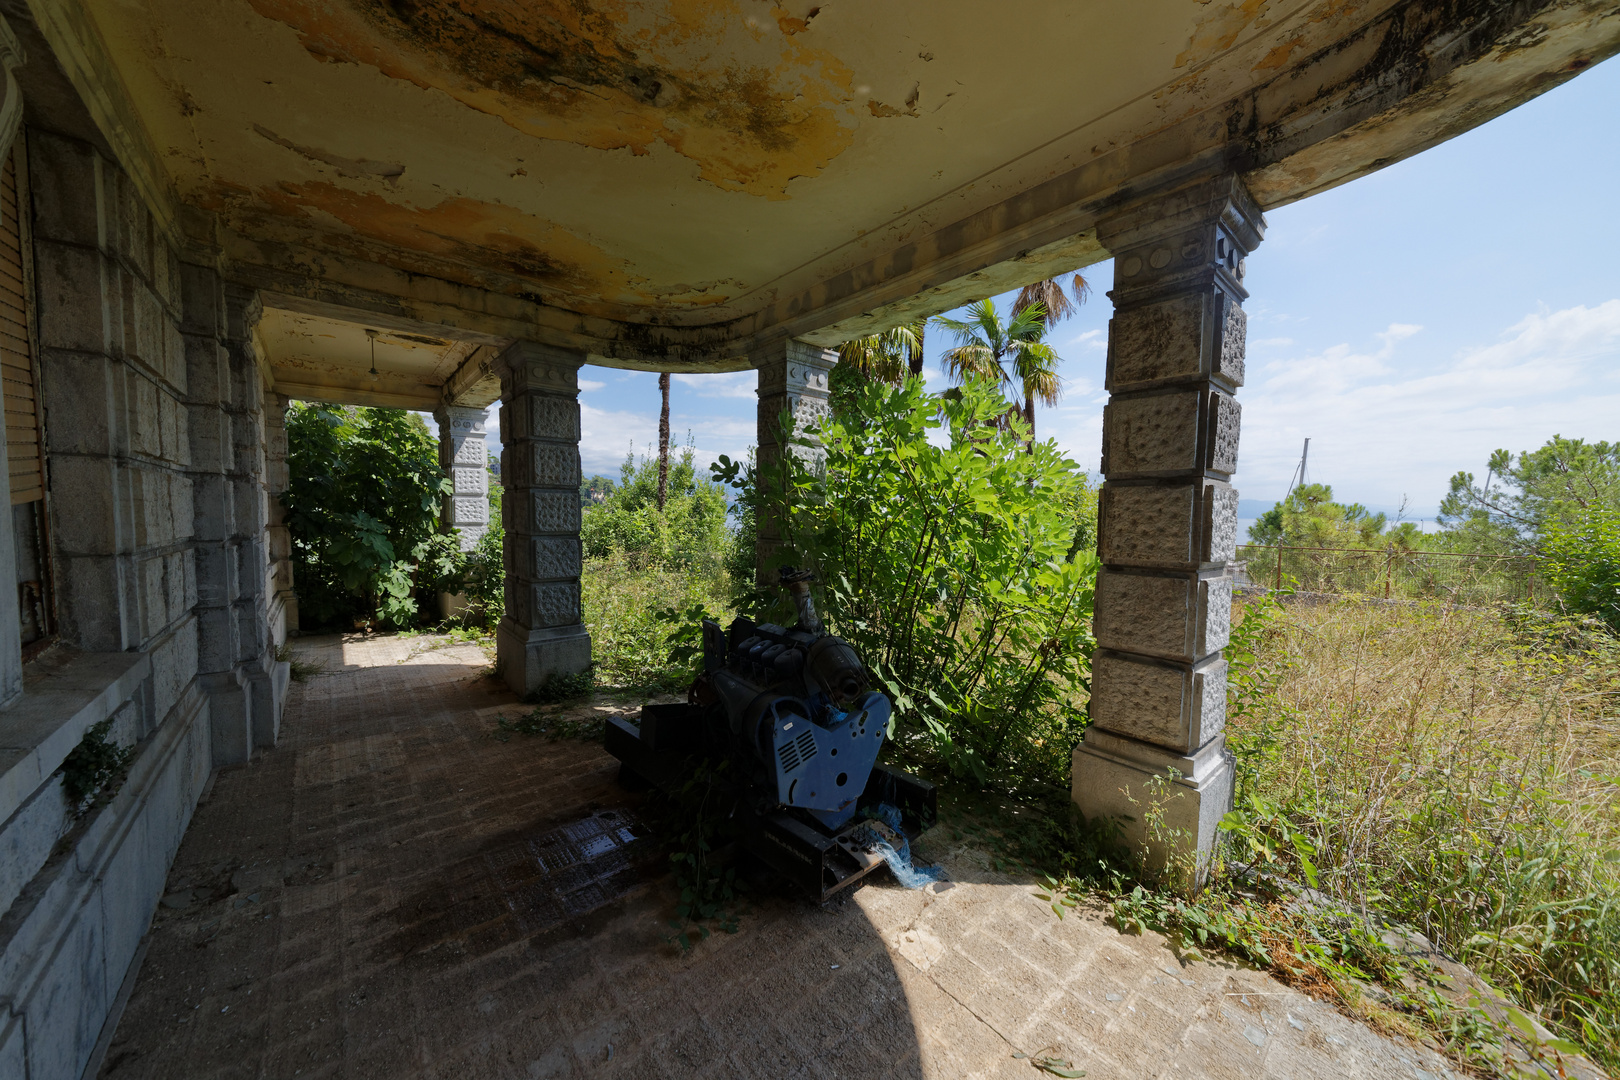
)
(527, 658)
(230, 711)
(267, 688)
(1174, 820)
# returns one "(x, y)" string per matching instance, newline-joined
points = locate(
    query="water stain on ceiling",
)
(743, 95)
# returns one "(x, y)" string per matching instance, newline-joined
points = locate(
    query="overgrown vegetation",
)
(363, 513)
(688, 534)
(960, 568)
(94, 763)
(1454, 770)
(1449, 770)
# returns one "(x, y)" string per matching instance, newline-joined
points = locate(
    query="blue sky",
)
(1409, 322)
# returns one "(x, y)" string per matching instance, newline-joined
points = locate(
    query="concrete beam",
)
(424, 401)
(476, 382)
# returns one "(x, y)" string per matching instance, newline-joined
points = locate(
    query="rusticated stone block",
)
(1156, 342)
(1234, 325)
(470, 481)
(1225, 422)
(551, 418)
(1178, 618)
(554, 557)
(554, 603)
(555, 511)
(1148, 435)
(469, 510)
(1177, 706)
(1220, 523)
(1169, 526)
(1148, 526)
(554, 465)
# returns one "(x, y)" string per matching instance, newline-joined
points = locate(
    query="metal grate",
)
(795, 752)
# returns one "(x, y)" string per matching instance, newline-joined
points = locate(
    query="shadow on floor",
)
(395, 892)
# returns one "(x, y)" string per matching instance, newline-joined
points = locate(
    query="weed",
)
(298, 670)
(558, 688)
(701, 822)
(553, 726)
(622, 600)
(93, 764)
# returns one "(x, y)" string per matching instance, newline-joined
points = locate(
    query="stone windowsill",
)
(65, 692)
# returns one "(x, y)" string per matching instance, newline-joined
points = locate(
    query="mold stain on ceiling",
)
(742, 95)
(468, 234)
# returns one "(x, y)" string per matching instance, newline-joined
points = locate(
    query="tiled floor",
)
(394, 892)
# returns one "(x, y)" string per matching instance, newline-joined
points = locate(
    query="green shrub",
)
(92, 764)
(1580, 558)
(362, 511)
(689, 531)
(954, 557)
(626, 609)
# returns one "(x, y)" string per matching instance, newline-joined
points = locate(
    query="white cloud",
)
(1091, 339)
(729, 384)
(587, 385)
(1382, 427)
(605, 436)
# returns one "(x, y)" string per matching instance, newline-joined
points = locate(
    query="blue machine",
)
(792, 706)
(799, 701)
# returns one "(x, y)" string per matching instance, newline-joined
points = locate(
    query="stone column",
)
(1168, 520)
(465, 461)
(791, 381)
(283, 600)
(209, 424)
(542, 635)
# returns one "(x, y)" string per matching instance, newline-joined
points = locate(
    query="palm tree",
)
(663, 441)
(888, 356)
(987, 346)
(1049, 294)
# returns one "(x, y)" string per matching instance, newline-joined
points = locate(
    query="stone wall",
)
(163, 456)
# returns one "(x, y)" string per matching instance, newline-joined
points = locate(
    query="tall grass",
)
(623, 597)
(1457, 770)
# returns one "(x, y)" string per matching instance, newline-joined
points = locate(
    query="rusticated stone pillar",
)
(792, 381)
(465, 461)
(283, 600)
(542, 634)
(1168, 519)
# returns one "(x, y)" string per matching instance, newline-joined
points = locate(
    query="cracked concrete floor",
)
(363, 901)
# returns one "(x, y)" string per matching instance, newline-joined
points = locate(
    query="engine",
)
(798, 702)
(795, 708)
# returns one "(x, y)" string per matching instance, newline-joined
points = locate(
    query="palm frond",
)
(1050, 296)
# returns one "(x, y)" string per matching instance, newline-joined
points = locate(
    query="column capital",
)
(529, 365)
(1190, 236)
(461, 419)
(798, 367)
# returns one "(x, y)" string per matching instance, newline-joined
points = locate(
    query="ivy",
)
(93, 764)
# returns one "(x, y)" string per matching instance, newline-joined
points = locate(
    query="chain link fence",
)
(1391, 573)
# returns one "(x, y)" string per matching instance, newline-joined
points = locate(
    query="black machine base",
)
(818, 861)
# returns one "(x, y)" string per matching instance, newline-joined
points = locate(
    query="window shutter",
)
(21, 389)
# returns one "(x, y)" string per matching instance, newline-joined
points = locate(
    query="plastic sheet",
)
(912, 877)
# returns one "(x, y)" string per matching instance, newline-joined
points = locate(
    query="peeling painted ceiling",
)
(659, 157)
(323, 359)
(722, 163)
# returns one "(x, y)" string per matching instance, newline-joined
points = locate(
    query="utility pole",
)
(1298, 479)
